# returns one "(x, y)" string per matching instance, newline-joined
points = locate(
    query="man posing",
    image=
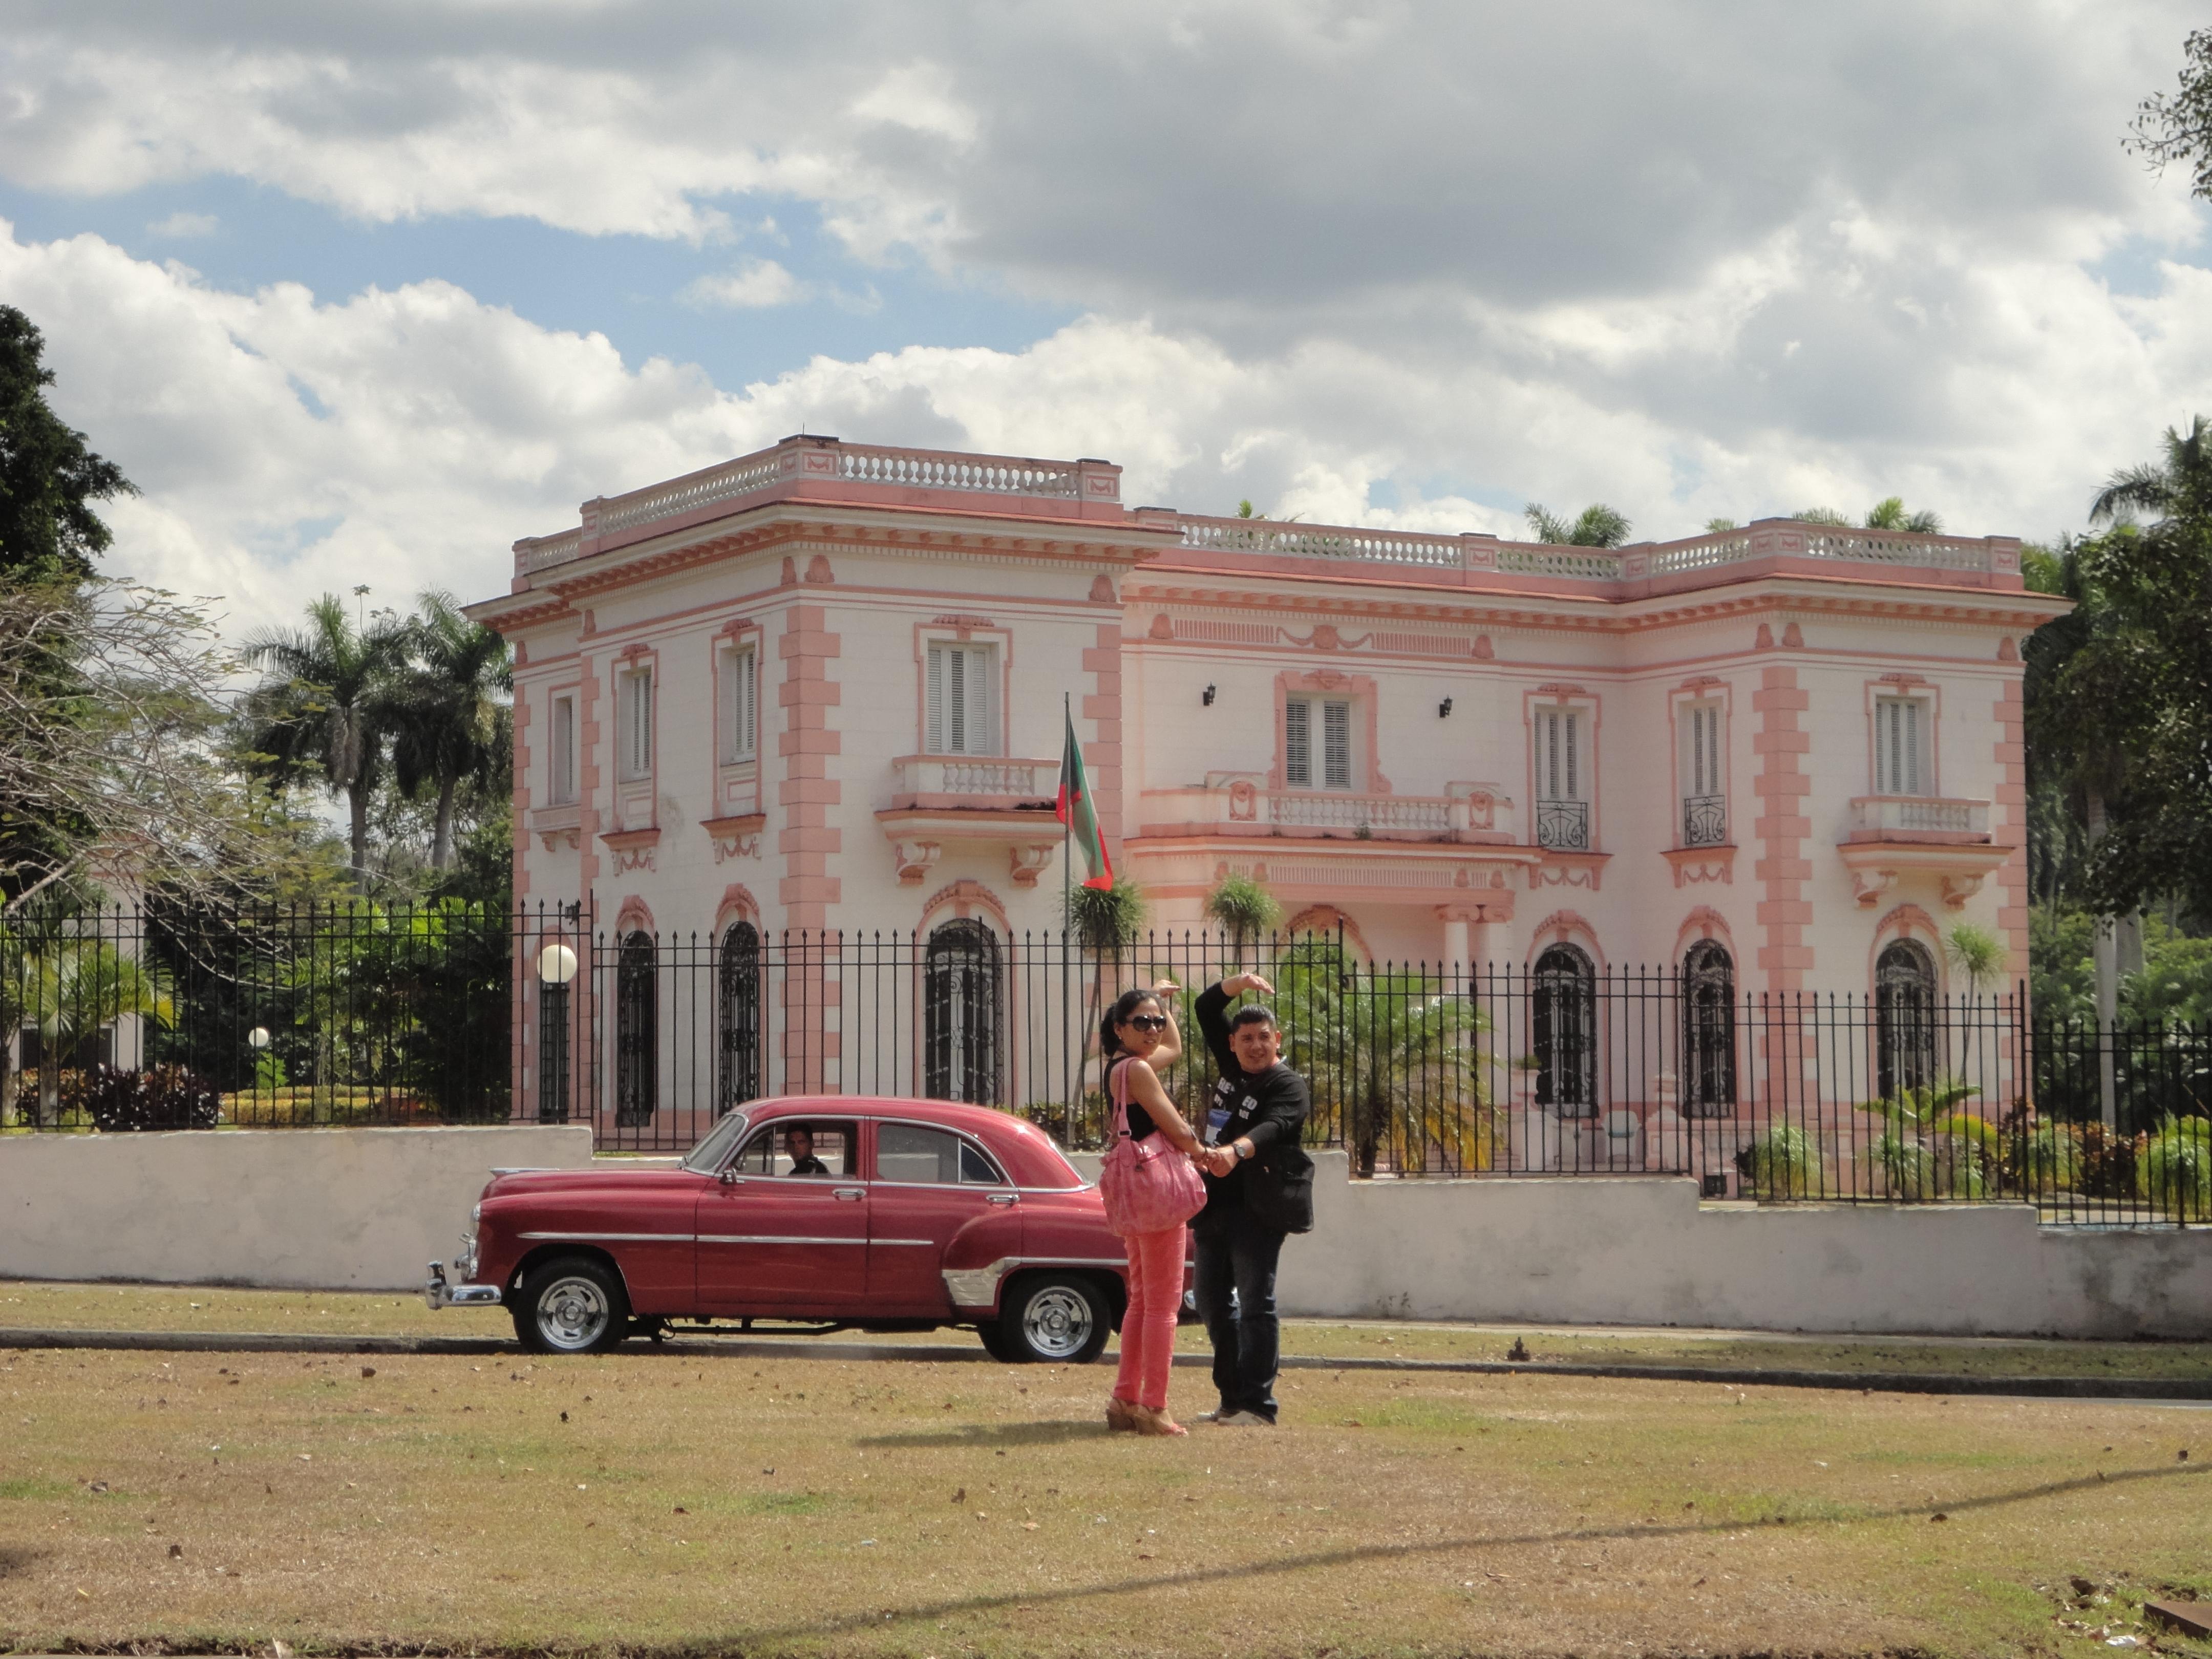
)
(1259, 1187)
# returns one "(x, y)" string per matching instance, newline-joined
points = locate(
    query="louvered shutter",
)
(1298, 743)
(977, 735)
(934, 713)
(1336, 745)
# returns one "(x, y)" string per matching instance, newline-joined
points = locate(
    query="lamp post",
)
(557, 967)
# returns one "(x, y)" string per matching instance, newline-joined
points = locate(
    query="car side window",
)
(912, 1154)
(800, 1147)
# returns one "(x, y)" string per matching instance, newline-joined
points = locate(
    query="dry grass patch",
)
(652, 1501)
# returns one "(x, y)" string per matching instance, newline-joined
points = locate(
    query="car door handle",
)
(854, 1193)
(1003, 1199)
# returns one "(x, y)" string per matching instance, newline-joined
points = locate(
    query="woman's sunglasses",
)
(1148, 1023)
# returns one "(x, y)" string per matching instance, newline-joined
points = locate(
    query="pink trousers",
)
(1148, 1328)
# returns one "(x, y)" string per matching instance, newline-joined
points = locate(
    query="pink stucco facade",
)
(1800, 741)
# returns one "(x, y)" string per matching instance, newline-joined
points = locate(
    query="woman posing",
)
(1137, 1035)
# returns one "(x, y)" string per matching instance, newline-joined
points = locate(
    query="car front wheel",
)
(1050, 1319)
(572, 1305)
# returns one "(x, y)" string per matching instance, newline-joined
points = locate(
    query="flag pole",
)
(1070, 1067)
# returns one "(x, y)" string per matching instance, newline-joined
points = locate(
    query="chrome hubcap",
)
(1057, 1321)
(572, 1313)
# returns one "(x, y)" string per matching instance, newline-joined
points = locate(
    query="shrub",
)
(161, 1097)
(2051, 1160)
(2174, 1168)
(1780, 1164)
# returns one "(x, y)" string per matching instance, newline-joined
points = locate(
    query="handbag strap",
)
(1117, 1081)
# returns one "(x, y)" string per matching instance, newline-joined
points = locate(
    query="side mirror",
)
(728, 1177)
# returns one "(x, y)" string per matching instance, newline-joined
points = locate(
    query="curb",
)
(2038, 1388)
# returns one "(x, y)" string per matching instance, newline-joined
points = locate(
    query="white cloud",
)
(288, 445)
(756, 285)
(184, 224)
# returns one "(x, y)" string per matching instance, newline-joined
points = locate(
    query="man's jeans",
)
(1237, 1254)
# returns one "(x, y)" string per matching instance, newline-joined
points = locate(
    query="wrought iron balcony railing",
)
(1562, 826)
(1704, 820)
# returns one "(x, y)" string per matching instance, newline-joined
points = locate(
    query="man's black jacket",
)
(1268, 1109)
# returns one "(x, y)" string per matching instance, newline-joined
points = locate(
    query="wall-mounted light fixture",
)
(1207, 696)
(1443, 710)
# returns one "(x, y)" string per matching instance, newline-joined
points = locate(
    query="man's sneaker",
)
(1244, 1420)
(1214, 1416)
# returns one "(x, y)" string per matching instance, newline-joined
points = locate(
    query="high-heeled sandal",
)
(1152, 1421)
(1122, 1414)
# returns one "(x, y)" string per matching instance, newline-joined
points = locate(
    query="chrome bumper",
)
(439, 1294)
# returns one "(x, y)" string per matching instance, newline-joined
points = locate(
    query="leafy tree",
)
(1599, 525)
(48, 477)
(69, 989)
(326, 707)
(2177, 126)
(447, 710)
(1244, 909)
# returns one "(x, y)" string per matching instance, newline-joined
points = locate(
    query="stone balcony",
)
(941, 800)
(1919, 818)
(1893, 836)
(1242, 803)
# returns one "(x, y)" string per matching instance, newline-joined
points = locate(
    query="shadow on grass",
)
(1354, 1555)
(1006, 1434)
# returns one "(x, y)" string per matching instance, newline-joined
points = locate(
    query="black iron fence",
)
(359, 1015)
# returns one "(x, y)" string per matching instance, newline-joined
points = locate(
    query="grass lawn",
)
(656, 1502)
(109, 1307)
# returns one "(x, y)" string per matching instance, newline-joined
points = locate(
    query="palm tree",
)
(325, 707)
(1888, 513)
(2167, 491)
(71, 989)
(1244, 909)
(1599, 525)
(448, 711)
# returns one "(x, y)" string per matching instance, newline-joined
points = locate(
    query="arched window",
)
(1707, 1031)
(637, 1030)
(1564, 1022)
(738, 986)
(963, 1000)
(1904, 1019)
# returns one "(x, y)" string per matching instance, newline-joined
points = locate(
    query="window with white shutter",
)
(1322, 723)
(1900, 747)
(961, 716)
(1705, 802)
(1562, 780)
(740, 711)
(635, 704)
(561, 785)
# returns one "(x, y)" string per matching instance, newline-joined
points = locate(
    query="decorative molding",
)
(1568, 870)
(736, 837)
(1695, 865)
(1027, 860)
(632, 849)
(913, 859)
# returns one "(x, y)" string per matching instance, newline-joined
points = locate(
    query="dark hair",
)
(1253, 1014)
(1125, 1007)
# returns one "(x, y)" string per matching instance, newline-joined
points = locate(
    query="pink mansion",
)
(821, 687)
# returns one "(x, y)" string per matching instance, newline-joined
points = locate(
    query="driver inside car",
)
(799, 1143)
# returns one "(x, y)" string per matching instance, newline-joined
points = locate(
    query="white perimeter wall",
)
(320, 1209)
(364, 1209)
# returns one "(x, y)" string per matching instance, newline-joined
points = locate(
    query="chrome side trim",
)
(618, 1238)
(770, 1238)
(919, 1243)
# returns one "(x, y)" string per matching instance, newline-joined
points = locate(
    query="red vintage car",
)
(882, 1214)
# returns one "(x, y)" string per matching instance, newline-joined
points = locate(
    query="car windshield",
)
(714, 1145)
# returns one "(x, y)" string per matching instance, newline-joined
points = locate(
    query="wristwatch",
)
(1243, 1149)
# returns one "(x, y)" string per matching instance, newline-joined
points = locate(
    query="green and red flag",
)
(1079, 812)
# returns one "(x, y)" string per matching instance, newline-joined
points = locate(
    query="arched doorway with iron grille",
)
(963, 1013)
(637, 1030)
(738, 1017)
(1563, 1031)
(1707, 1068)
(1904, 1019)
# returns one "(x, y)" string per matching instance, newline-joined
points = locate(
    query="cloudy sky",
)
(363, 293)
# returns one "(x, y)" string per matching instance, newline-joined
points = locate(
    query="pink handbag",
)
(1147, 1184)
